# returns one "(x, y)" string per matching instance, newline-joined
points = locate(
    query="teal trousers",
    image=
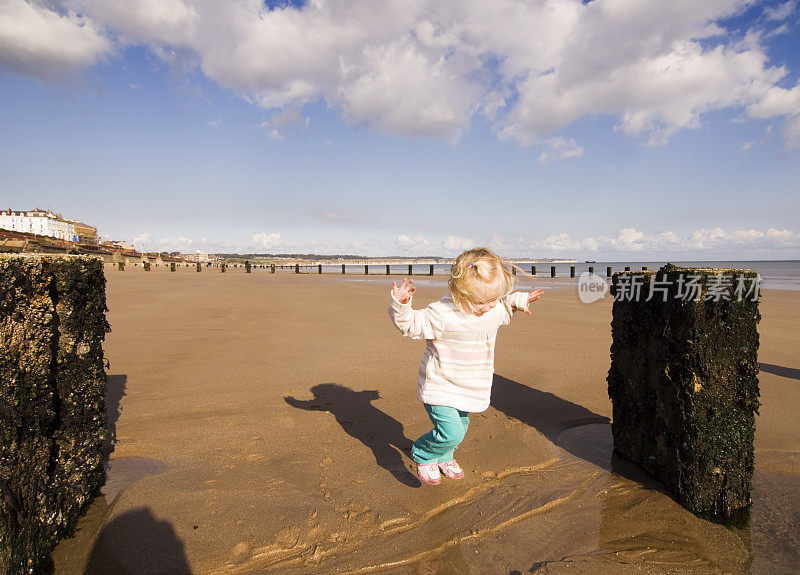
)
(449, 427)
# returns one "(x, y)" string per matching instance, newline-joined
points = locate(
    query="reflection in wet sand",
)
(82, 553)
(773, 529)
(642, 524)
(120, 473)
(587, 512)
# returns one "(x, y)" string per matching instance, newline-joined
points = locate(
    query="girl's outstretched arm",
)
(532, 297)
(416, 324)
(519, 300)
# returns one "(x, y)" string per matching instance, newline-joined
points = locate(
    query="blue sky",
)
(604, 130)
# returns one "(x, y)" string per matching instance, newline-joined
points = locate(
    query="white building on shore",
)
(46, 223)
(198, 257)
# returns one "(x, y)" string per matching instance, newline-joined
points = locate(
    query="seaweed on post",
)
(52, 401)
(684, 381)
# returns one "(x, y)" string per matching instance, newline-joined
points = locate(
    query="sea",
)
(775, 274)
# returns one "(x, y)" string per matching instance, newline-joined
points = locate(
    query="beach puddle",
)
(773, 529)
(120, 473)
(71, 554)
(592, 442)
(771, 532)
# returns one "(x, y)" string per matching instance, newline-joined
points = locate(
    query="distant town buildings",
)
(48, 223)
(118, 245)
(198, 257)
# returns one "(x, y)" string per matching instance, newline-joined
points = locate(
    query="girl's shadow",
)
(362, 420)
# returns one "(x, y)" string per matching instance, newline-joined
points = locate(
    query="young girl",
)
(455, 375)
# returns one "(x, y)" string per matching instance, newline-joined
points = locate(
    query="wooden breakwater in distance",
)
(683, 381)
(415, 267)
(298, 267)
(52, 400)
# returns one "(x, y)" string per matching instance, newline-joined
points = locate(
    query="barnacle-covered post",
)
(52, 401)
(684, 381)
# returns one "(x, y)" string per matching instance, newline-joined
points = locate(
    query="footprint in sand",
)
(241, 553)
(287, 537)
(255, 457)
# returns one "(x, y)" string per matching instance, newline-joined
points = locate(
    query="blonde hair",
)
(475, 268)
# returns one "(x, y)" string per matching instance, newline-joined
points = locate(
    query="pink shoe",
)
(429, 473)
(452, 470)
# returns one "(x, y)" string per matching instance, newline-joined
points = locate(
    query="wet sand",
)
(262, 425)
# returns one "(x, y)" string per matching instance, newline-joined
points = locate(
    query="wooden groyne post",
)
(52, 397)
(683, 381)
(431, 271)
(608, 271)
(533, 270)
(552, 271)
(572, 271)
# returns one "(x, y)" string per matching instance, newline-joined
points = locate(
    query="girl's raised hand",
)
(404, 292)
(532, 297)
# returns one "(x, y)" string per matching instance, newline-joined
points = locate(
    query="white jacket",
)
(458, 364)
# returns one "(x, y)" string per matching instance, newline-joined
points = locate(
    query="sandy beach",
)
(262, 425)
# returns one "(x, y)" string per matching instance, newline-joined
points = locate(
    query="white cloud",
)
(791, 133)
(427, 68)
(781, 102)
(265, 241)
(287, 120)
(164, 22)
(179, 244)
(413, 246)
(146, 242)
(141, 241)
(560, 149)
(700, 244)
(46, 44)
(458, 244)
(776, 101)
(272, 133)
(780, 12)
